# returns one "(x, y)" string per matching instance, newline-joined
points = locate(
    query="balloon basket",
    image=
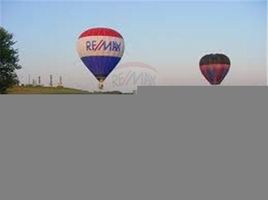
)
(101, 85)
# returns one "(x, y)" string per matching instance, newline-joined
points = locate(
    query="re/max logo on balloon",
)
(94, 45)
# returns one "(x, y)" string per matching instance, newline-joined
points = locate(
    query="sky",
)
(170, 37)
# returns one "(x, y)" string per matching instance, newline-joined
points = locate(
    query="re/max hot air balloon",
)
(214, 67)
(100, 49)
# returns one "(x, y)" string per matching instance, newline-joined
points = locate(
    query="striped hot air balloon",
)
(214, 67)
(100, 49)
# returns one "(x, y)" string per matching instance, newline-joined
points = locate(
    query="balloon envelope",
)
(100, 49)
(214, 67)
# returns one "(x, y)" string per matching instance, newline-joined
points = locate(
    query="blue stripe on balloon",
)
(100, 66)
(211, 75)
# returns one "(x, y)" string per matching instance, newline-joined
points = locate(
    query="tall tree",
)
(9, 61)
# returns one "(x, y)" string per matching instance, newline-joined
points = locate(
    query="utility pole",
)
(34, 82)
(51, 81)
(29, 79)
(60, 81)
(39, 80)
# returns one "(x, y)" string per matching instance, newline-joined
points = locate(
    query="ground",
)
(52, 90)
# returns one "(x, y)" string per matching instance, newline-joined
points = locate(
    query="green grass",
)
(53, 90)
(44, 90)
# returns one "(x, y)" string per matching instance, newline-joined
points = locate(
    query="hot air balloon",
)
(214, 67)
(100, 49)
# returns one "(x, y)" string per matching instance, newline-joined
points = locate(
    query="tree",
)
(9, 59)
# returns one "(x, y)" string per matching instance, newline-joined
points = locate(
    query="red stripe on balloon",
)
(100, 32)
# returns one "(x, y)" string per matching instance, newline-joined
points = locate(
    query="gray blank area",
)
(165, 143)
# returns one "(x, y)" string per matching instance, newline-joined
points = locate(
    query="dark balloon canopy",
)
(215, 67)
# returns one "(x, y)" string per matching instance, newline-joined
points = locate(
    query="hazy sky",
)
(169, 36)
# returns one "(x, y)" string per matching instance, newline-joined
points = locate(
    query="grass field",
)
(53, 90)
(44, 90)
